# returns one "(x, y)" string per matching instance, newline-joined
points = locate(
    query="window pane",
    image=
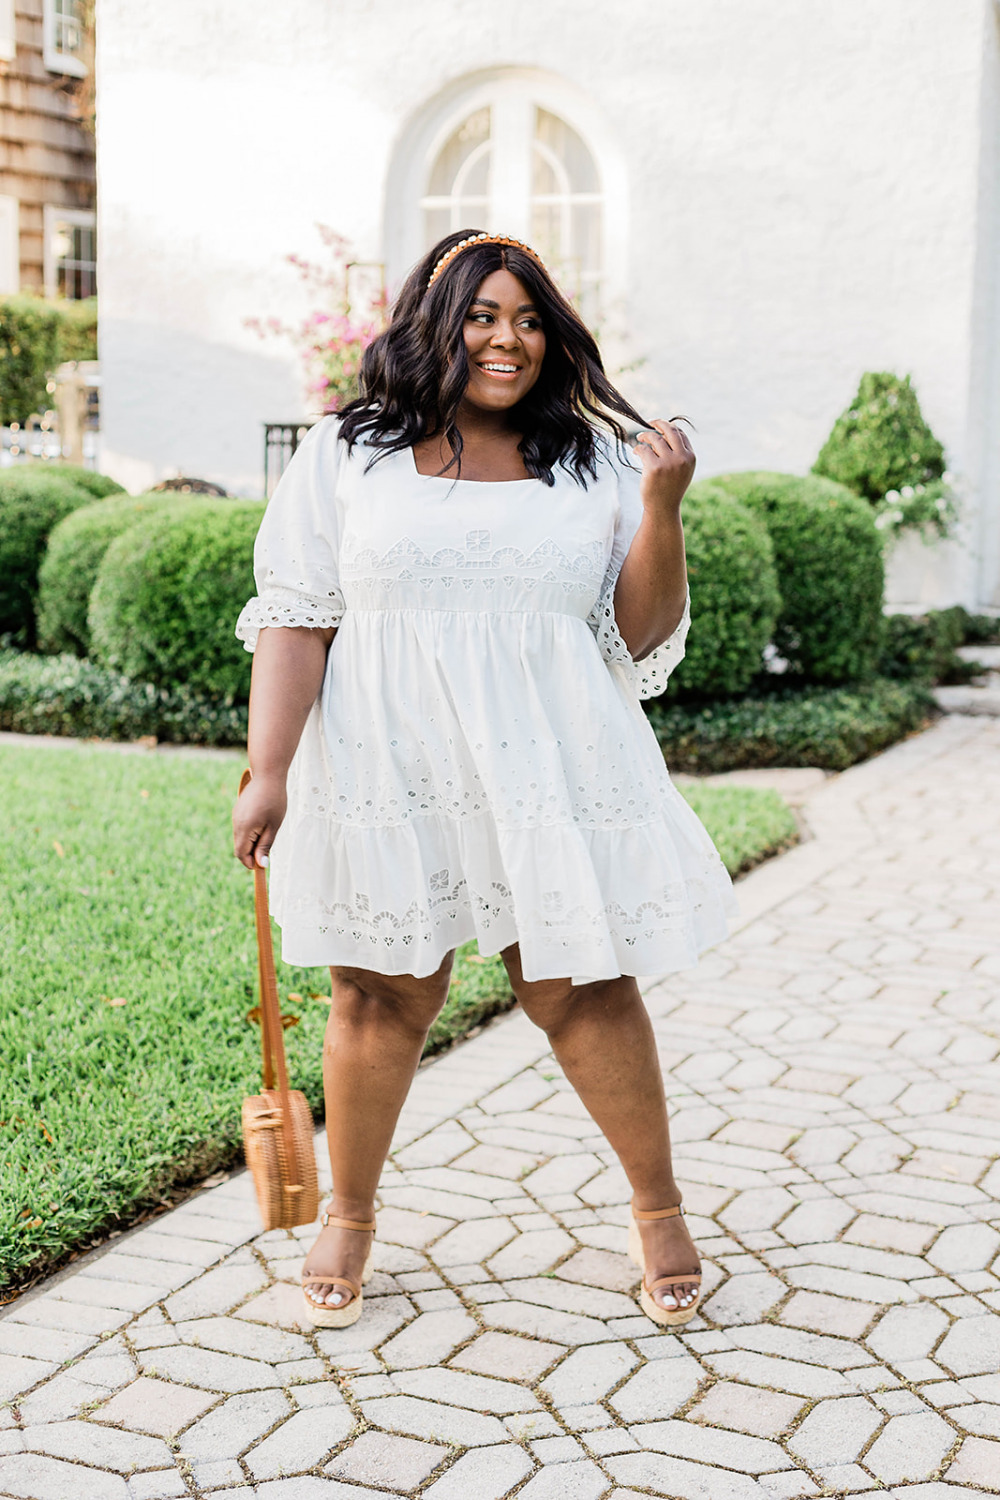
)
(458, 188)
(68, 25)
(473, 132)
(566, 210)
(563, 143)
(75, 247)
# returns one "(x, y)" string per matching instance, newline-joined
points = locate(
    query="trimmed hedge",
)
(32, 502)
(828, 557)
(66, 696)
(69, 569)
(100, 486)
(734, 593)
(167, 596)
(881, 442)
(828, 727)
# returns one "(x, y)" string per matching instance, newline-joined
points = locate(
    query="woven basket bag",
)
(277, 1122)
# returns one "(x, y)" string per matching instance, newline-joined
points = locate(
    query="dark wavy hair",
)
(414, 375)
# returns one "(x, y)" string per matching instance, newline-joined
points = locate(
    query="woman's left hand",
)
(668, 462)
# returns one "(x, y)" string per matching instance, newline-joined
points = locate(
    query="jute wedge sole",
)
(322, 1316)
(665, 1317)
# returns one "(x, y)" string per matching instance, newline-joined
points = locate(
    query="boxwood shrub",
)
(100, 486)
(69, 568)
(734, 594)
(828, 556)
(168, 593)
(32, 502)
(881, 442)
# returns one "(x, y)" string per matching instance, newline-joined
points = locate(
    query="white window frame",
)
(55, 59)
(8, 31)
(53, 215)
(10, 246)
(511, 94)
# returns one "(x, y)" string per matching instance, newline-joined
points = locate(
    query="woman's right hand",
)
(258, 814)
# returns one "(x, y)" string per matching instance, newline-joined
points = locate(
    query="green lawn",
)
(127, 967)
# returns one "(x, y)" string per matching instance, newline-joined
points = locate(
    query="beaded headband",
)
(481, 239)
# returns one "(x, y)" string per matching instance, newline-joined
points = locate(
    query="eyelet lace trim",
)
(648, 677)
(283, 606)
(478, 556)
(667, 915)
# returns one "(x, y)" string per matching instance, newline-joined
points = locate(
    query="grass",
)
(747, 824)
(128, 967)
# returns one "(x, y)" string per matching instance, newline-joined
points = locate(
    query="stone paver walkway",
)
(836, 1105)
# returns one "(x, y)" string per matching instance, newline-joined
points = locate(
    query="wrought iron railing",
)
(280, 442)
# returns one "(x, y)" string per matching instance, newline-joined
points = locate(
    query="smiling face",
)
(505, 343)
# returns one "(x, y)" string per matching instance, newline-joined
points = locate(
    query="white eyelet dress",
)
(477, 764)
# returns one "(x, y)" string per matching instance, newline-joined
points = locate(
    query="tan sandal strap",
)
(693, 1276)
(658, 1213)
(367, 1227)
(352, 1286)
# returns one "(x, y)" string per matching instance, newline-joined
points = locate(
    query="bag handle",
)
(272, 1034)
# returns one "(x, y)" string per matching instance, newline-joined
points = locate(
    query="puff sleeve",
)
(295, 554)
(648, 676)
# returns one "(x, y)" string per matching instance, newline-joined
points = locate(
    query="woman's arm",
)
(288, 668)
(652, 585)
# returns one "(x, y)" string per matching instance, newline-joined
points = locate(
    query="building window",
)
(70, 253)
(513, 167)
(8, 41)
(63, 37)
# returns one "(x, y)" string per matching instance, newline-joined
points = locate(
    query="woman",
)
(456, 577)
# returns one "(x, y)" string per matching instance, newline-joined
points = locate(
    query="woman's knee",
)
(401, 998)
(544, 1001)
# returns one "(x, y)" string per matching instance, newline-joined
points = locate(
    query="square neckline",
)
(447, 479)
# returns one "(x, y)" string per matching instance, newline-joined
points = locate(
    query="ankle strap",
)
(658, 1213)
(362, 1227)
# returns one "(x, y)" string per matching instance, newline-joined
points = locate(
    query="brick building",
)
(47, 150)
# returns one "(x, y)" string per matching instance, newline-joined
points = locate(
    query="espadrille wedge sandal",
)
(339, 1317)
(666, 1317)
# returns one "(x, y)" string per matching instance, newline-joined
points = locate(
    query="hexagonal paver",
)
(970, 1347)
(155, 1406)
(910, 1448)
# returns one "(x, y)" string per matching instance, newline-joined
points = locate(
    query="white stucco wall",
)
(800, 194)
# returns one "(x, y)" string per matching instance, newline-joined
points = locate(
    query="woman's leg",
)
(603, 1039)
(376, 1032)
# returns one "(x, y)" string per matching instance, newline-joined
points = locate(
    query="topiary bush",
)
(32, 502)
(734, 594)
(881, 442)
(828, 556)
(70, 566)
(164, 606)
(100, 486)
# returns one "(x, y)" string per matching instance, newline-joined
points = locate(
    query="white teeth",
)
(502, 369)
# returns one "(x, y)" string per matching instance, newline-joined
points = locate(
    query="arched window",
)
(511, 164)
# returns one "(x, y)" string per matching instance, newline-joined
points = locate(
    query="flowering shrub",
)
(332, 340)
(931, 509)
(882, 448)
